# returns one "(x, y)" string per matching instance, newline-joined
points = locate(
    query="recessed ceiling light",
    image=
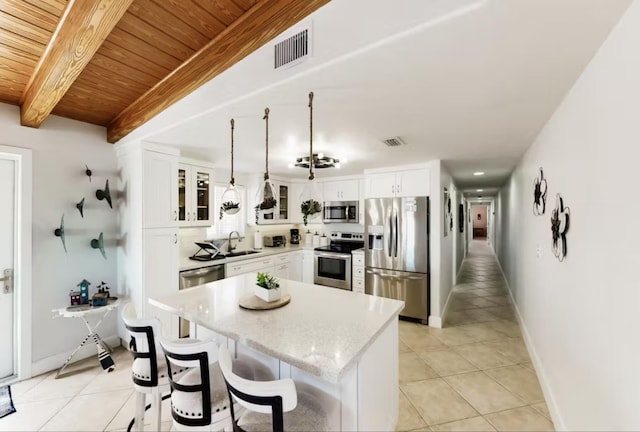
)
(479, 190)
(478, 173)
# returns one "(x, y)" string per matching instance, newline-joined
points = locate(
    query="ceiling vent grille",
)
(293, 50)
(394, 142)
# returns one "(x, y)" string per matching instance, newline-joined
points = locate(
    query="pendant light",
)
(230, 197)
(266, 197)
(310, 197)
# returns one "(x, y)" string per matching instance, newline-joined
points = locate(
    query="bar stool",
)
(270, 405)
(199, 397)
(149, 373)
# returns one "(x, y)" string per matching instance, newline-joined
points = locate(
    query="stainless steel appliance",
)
(397, 252)
(340, 212)
(195, 277)
(332, 266)
(274, 240)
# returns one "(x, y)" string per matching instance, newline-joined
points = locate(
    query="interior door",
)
(7, 228)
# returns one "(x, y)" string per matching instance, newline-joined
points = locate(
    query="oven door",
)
(332, 269)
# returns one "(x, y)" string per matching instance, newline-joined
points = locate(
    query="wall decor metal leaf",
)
(559, 228)
(539, 194)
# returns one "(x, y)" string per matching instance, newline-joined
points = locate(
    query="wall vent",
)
(394, 142)
(293, 50)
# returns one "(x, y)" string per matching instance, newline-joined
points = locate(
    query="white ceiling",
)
(468, 82)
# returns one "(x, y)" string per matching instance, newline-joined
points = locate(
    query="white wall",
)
(61, 147)
(580, 316)
(446, 253)
(479, 222)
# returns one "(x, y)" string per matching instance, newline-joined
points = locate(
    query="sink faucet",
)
(229, 247)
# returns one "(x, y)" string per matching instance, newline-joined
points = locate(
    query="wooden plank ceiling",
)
(131, 58)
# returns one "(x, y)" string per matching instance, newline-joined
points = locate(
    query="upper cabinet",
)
(401, 183)
(194, 195)
(346, 190)
(281, 214)
(160, 185)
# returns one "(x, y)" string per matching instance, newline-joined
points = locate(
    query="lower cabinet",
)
(160, 263)
(249, 266)
(287, 265)
(308, 266)
(357, 272)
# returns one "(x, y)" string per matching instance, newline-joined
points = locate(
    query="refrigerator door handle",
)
(390, 236)
(384, 275)
(396, 236)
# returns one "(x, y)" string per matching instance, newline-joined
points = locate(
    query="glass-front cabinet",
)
(281, 213)
(195, 195)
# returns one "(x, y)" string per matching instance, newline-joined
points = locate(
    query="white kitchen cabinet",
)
(254, 265)
(308, 264)
(295, 266)
(295, 215)
(402, 183)
(195, 195)
(160, 273)
(159, 180)
(345, 190)
(281, 271)
(281, 213)
(357, 271)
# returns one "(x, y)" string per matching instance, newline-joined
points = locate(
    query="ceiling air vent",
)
(293, 50)
(394, 142)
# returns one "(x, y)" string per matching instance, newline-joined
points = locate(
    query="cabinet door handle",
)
(175, 215)
(393, 188)
(175, 239)
(188, 216)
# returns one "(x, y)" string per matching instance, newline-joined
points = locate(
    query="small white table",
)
(82, 312)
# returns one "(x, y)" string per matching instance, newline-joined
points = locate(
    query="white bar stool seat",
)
(199, 398)
(270, 405)
(149, 371)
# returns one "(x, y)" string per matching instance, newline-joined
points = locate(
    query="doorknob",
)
(7, 286)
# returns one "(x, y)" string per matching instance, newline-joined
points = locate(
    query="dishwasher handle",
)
(201, 271)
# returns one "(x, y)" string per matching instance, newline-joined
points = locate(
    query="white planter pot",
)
(267, 295)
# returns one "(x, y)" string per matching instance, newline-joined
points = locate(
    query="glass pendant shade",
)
(310, 202)
(230, 197)
(267, 197)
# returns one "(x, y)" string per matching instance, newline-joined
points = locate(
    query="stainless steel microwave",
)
(340, 212)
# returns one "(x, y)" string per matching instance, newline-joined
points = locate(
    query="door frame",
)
(22, 258)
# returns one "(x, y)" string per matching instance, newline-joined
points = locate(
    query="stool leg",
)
(138, 425)
(157, 401)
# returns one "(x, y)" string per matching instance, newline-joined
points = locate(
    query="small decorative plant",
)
(309, 208)
(229, 207)
(266, 281)
(267, 204)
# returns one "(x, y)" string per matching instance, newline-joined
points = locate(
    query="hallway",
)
(475, 374)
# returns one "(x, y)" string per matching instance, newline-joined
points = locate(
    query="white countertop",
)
(322, 331)
(189, 264)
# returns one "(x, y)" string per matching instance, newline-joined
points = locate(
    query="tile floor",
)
(473, 375)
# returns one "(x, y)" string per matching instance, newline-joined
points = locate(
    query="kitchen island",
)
(340, 346)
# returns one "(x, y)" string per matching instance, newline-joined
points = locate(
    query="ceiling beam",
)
(83, 27)
(260, 24)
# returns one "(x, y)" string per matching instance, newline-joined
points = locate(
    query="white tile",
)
(31, 416)
(91, 412)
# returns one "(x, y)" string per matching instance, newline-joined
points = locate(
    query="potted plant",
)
(309, 208)
(267, 287)
(269, 203)
(229, 207)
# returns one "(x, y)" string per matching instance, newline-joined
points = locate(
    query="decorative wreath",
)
(539, 194)
(559, 228)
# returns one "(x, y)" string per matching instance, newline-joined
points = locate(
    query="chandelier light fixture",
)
(230, 197)
(266, 196)
(310, 197)
(320, 161)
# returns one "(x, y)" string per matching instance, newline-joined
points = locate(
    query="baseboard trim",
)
(54, 362)
(535, 360)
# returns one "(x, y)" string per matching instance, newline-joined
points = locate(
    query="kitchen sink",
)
(241, 253)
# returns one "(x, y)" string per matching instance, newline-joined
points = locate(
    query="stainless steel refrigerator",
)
(397, 252)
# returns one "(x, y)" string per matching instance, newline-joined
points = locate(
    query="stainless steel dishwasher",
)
(199, 276)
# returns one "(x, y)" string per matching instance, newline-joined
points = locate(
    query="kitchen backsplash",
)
(190, 235)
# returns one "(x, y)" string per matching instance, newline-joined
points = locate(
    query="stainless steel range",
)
(333, 262)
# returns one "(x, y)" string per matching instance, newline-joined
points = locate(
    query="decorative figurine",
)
(84, 291)
(99, 299)
(88, 172)
(105, 194)
(104, 289)
(99, 244)
(74, 298)
(80, 207)
(59, 232)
